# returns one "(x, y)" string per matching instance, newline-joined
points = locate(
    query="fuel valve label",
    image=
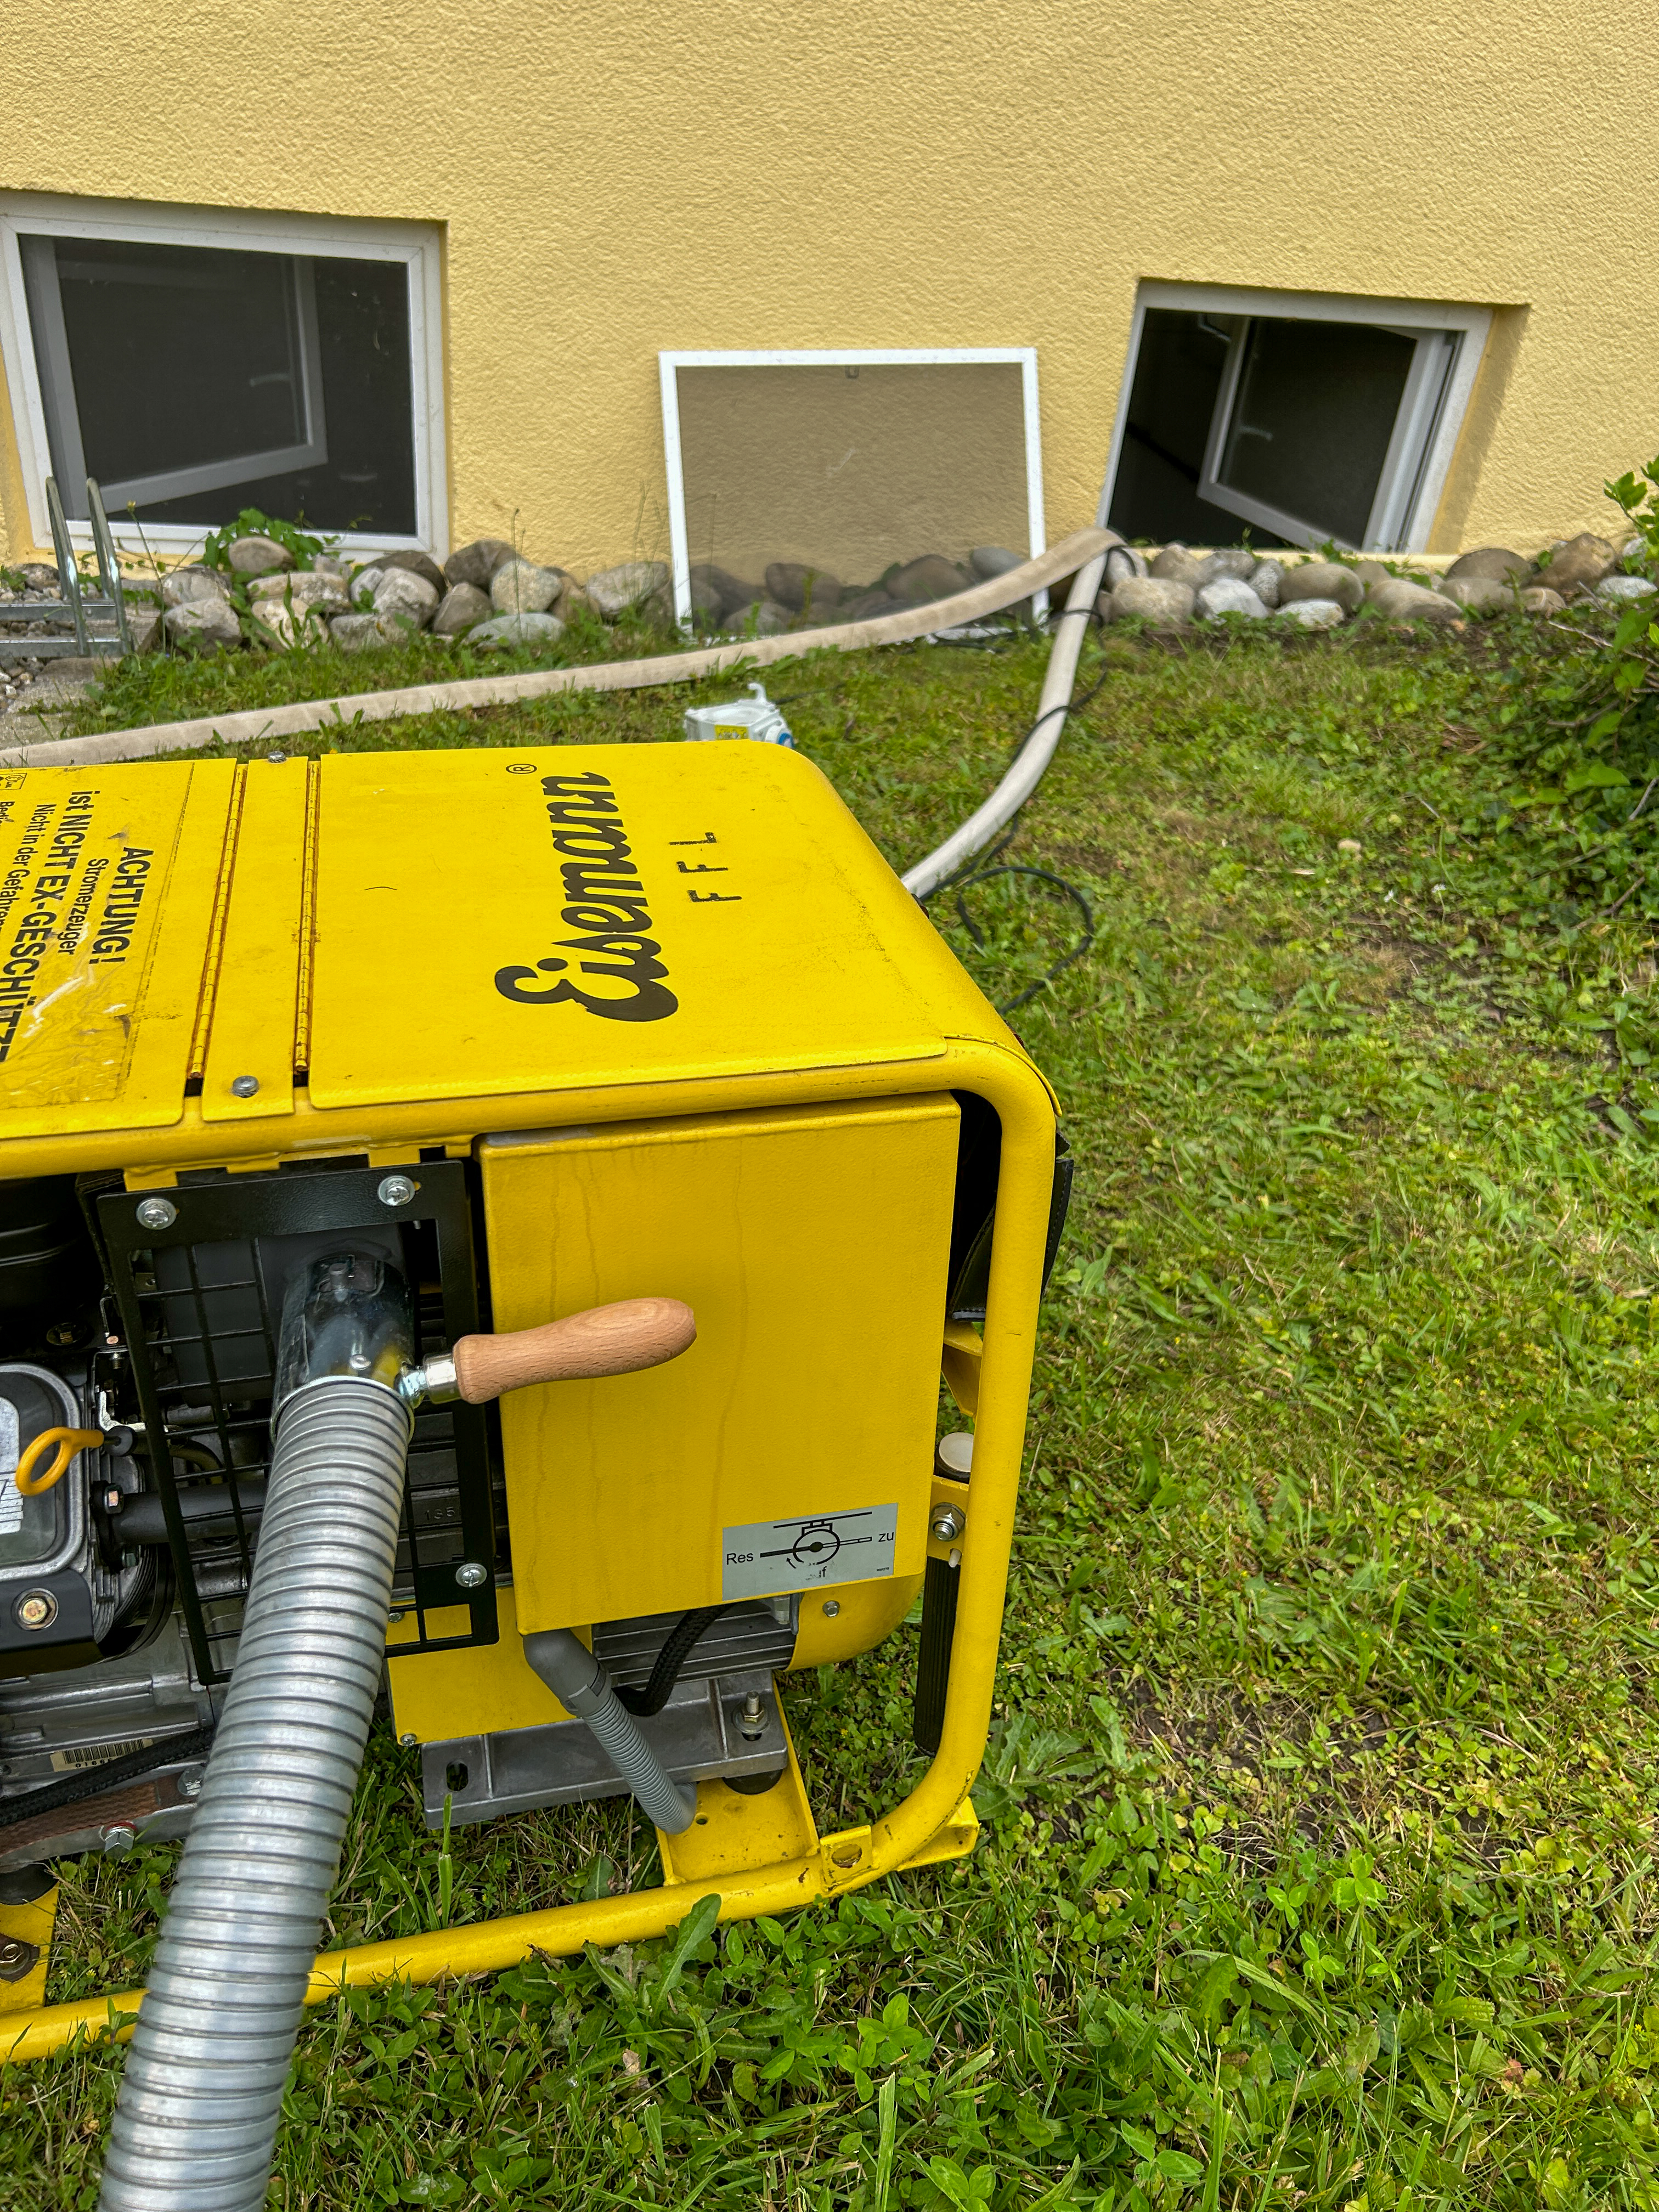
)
(764, 1558)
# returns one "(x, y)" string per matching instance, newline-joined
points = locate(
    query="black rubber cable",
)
(676, 1650)
(52, 1796)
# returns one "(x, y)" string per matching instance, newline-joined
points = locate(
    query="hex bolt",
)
(471, 1576)
(36, 1608)
(189, 1781)
(831, 1607)
(244, 1086)
(276, 757)
(118, 1838)
(395, 1190)
(751, 1718)
(156, 1214)
(947, 1523)
(751, 1706)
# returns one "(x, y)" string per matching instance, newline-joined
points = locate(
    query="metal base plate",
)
(701, 1733)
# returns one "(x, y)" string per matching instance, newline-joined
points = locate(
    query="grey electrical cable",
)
(195, 2126)
(582, 1686)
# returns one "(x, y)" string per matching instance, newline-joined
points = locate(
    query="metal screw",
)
(244, 1086)
(395, 1190)
(947, 1523)
(408, 1740)
(156, 1214)
(831, 1607)
(276, 757)
(471, 1576)
(189, 1781)
(117, 1838)
(396, 1614)
(35, 1609)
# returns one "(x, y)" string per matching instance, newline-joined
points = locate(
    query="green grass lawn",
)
(1318, 1866)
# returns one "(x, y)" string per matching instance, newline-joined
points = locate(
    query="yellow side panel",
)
(472, 1691)
(497, 922)
(256, 999)
(812, 1243)
(107, 882)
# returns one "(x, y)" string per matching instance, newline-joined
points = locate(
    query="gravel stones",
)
(522, 588)
(531, 628)
(920, 582)
(632, 584)
(1316, 614)
(1322, 580)
(207, 625)
(476, 563)
(258, 556)
(1122, 562)
(716, 591)
(1162, 599)
(1620, 590)
(1267, 580)
(416, 563)
(401, 596)
(461, 607)
(1578, 564)
(1488, 563)
(762, 618)
(181, 585)
(1229, 595)
(361, 633)
(40, 576)
(989, 562)
(1176, 565)
(803, 590)
(1400, 600)
(1482, 595)
(304, 590)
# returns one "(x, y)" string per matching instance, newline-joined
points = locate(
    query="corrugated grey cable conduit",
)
(582, 1686)
(195, 2127)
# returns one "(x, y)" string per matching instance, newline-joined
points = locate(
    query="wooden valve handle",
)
(604, 1341)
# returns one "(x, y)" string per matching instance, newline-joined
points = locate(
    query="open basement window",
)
(197, 365)
(1290, 419)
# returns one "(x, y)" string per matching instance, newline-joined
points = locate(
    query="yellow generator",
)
(491, 1225)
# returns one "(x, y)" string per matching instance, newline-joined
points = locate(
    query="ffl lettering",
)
(605, 905)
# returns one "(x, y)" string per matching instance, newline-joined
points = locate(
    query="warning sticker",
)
(763, 1559)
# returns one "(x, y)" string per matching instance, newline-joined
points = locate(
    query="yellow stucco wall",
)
(613, 177)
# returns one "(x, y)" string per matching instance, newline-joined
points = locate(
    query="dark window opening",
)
(1280, 430)
(193, 381)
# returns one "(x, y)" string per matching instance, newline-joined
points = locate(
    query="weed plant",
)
(1318, 1862)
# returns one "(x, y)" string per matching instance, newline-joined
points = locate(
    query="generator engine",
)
(461, 1082)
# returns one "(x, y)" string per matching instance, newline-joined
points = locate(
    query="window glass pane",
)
(182, 356)
(186, 358)
(1172, 399)
(1311, 421)
(851, 470)
(368, 481)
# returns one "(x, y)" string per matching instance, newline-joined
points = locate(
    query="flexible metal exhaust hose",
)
(582, 1686)
(195, 2127)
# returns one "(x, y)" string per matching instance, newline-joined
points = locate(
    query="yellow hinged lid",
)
(497, 922)
(108, 877)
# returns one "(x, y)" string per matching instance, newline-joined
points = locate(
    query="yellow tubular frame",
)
(1013, 1087)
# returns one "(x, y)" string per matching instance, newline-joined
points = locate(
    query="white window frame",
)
(670, 364)
(1430, 420)
(418, 245)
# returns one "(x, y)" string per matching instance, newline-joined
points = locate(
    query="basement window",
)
(194, 366)
(1290, 419)
(855, 466)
